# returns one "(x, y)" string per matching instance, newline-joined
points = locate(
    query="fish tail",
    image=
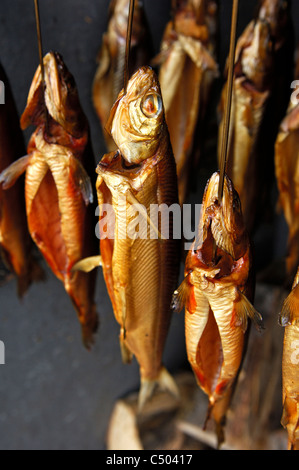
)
(164, 380)
(89, 326)
(289, 312)
(126, 354)
(290, 421)
(35, 273)
(219, 431)
(217, 412)
(81, 295)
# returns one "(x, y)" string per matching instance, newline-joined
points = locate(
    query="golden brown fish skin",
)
(217, 293)
(108, 80)
(263, 73)
(140, 274)
(15, 241)
(289, 318)
(287, 177)
(188, 69)
(57, 187)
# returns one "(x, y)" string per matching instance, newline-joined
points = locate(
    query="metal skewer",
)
(40, 51)
(227, 113)
(128, 43)
(39, 40)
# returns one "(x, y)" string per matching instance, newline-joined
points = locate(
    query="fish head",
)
(191, 18)
(57, 95)
(257, 56)
(118, 14)
(137, 118)
(276, 14)
(224, 219)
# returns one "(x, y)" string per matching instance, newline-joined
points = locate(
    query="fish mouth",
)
(57, 96)
(223, 219)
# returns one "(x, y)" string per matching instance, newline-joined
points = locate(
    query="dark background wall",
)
(53, 393)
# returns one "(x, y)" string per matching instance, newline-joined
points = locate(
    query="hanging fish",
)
(108, 80)
(217, 292)
(188, 69)
(289, 318)
(287, 177)
(15, 242)
(58, 189)
(262, 77)
(140, 271)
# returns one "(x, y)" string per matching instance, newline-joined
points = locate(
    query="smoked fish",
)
(289, 318)
(217, 293)
(287, 177)
(108, 80)
(140, 271)
(58, 190)
(262, 78)
(16, 246)
(188, 69)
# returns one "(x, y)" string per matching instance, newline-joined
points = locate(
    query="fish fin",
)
(285, 419)
(245, 310)
(290, 310)
(88, 264)
(9, 176)
(83, 181)
(164, 380)
(180, 296)
(134, 201)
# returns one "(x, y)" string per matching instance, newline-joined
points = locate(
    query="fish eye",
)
(151, 105)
